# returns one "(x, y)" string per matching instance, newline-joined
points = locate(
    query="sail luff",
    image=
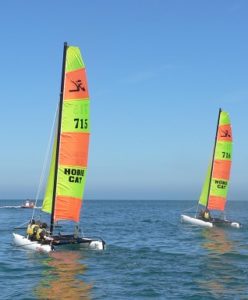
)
(58, 137)
(212, 163)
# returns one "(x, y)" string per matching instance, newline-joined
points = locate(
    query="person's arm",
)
(48, 238)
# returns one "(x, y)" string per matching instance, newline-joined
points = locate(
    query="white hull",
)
(25, 243)
(83, 242)
(195, 221)
(235, 224)
(96, 245)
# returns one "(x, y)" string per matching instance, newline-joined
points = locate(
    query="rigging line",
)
(25, 223)
(197, 210)
(188, 209)
(45, 161)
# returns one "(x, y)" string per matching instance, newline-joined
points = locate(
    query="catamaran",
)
(66, 180)
(215, 189)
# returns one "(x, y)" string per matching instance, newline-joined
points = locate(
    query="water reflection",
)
(61, 278)
(219, 267)
(216, 240)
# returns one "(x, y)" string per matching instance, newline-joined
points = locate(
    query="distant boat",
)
(215, 188)
(28, 204)
(66, 180)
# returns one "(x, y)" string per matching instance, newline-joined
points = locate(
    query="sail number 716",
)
(226, 155)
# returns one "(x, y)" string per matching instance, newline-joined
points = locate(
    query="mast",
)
(58, 137)
(212, 164)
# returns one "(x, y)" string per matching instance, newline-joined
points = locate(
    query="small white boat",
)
(28, 204)
(215, 188)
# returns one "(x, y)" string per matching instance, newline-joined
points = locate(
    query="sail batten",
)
(73, 143)
(215, 188)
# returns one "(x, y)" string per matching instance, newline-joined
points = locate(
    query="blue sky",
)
(158, 71)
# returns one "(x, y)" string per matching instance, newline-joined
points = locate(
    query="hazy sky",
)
(158, 71)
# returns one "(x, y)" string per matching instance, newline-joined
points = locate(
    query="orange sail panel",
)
(216, 203)
(74, 143)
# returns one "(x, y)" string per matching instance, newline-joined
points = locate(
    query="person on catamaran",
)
(42, 234)
(205, 215)
(32, 230)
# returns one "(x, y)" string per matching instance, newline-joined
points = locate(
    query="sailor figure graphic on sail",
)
(226, 133)
(78, 85)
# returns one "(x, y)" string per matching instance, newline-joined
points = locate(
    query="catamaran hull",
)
(82, 242)
(195, 221)
(95, 245)
(25, 243)
(235, 224)
(91, 244)
(217, 222)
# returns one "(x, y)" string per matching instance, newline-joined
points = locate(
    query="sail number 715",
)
(81, 123)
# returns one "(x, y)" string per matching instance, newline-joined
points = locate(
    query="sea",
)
(150, 254)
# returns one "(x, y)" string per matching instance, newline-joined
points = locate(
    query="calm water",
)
(150, 255)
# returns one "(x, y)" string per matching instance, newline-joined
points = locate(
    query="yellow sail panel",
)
(204, 193)
(47, 202)
(74, 139)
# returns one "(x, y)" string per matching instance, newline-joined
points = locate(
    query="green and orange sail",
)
(66, 181)
(215, 188)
